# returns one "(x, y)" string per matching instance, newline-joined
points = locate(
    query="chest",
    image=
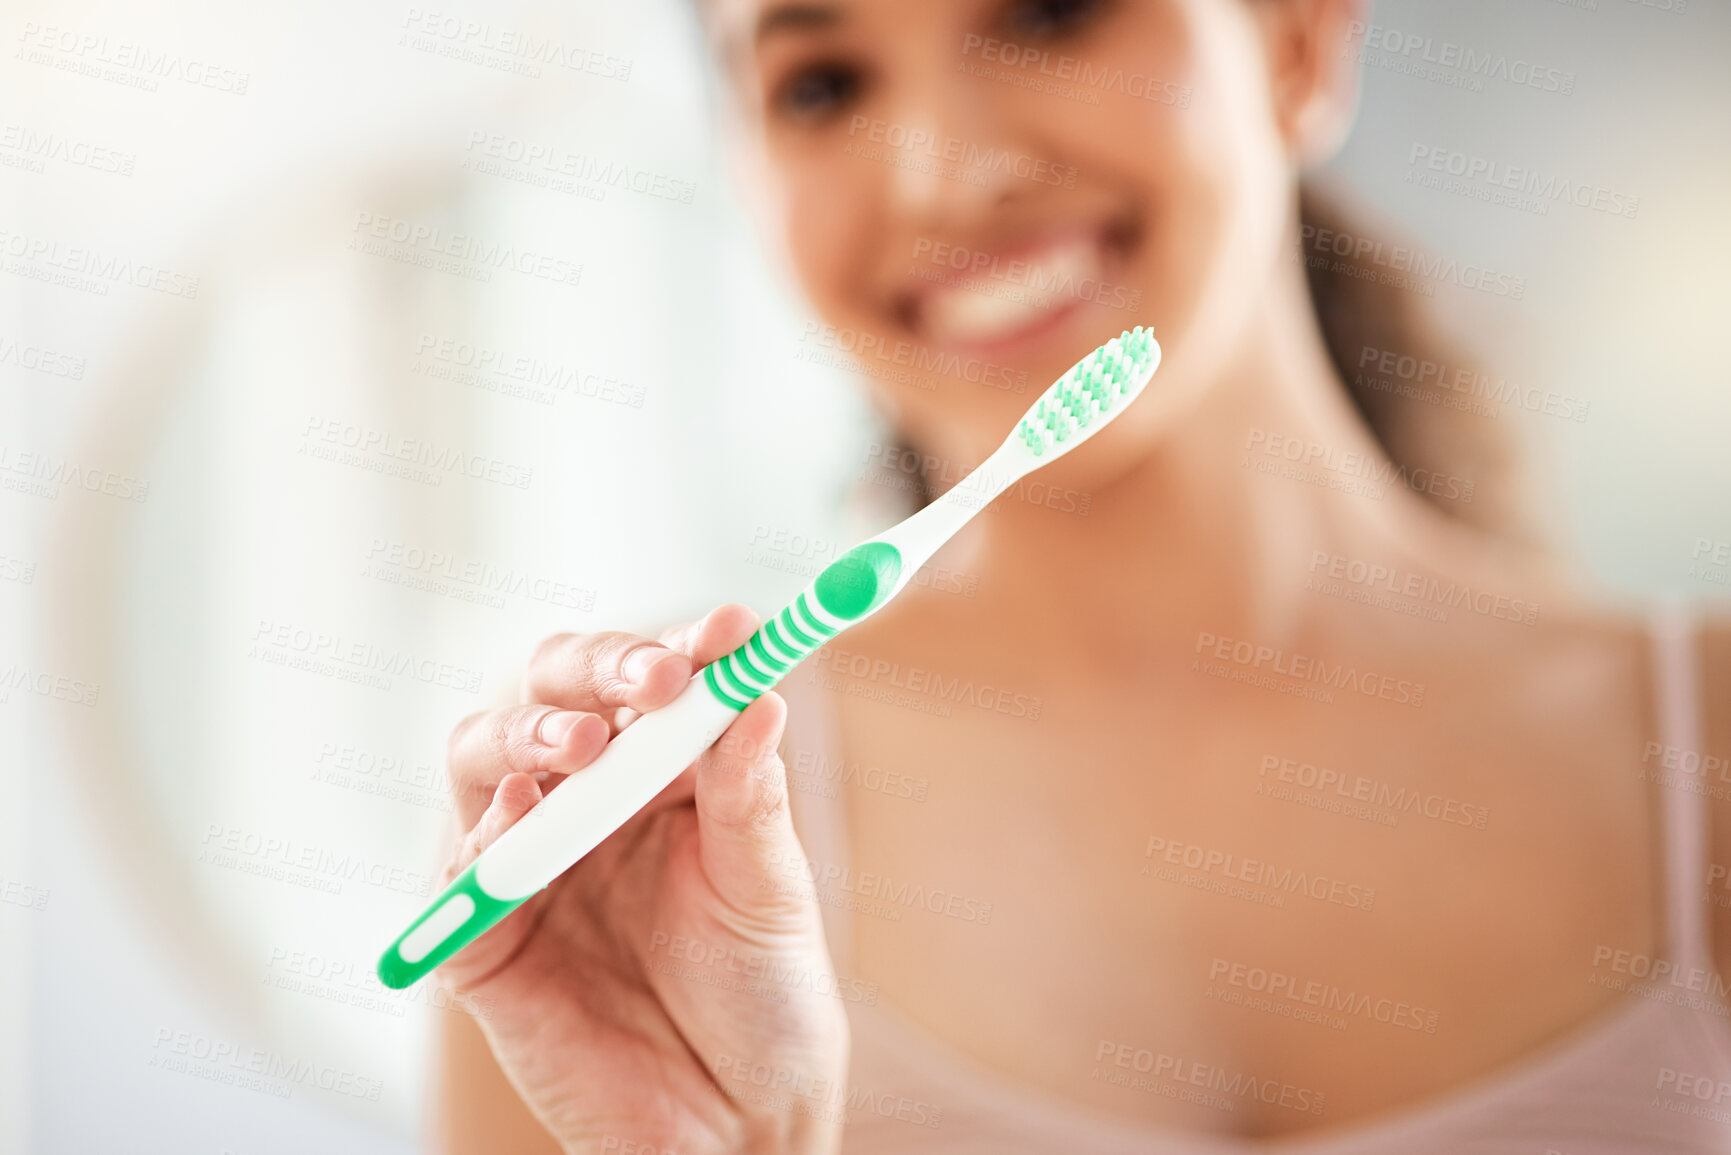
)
(1356, 901)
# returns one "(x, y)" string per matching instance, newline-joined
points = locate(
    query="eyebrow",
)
(794, 17)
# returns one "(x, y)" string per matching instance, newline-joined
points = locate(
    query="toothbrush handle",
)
(567, 824)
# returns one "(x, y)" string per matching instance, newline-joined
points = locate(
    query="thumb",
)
(748, 848)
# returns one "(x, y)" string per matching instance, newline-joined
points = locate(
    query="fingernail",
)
(556, 725)
(638, 662)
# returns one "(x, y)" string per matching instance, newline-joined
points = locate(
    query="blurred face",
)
(994, 187)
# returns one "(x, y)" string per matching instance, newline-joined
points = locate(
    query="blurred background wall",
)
(235, 627)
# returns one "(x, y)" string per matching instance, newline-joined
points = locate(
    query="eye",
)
(1050, 18)
(817, 91)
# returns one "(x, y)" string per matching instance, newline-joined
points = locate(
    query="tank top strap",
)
(1683, 814)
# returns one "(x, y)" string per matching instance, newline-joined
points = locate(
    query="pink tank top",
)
(1653, 1074)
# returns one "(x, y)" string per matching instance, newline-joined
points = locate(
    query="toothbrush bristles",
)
(1087, 392)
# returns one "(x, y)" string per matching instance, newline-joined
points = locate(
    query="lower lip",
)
(1028, 338)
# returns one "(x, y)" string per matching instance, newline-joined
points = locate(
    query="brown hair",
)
(1357, 312)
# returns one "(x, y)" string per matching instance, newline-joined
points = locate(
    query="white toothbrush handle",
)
(595, 801)
(567, 824)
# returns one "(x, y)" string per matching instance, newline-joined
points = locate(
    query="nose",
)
(963, 153)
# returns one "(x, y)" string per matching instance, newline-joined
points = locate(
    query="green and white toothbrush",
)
(651, 752)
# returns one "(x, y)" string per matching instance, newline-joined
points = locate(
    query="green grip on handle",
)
(459, 916)
(850, 587)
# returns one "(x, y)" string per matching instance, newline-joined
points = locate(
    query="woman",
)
(1265, 835)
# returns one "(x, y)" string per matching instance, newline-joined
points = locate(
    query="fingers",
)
(596, 672)
(747, 840)
(716, 634)
(607, 671)
(532, 740)
(517, 794)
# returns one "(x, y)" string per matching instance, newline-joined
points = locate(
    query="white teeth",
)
(997, 302)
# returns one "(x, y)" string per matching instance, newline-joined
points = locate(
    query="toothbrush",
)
(655, 749)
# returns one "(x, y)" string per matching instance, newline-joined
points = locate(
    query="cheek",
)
(828, 213)
(1215, 185)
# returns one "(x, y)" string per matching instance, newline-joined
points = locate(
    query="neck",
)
(1193, 537)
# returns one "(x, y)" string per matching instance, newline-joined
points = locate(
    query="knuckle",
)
(501, 734)
(549, 657)
(771, 808)
(598, 666)
(458, 741)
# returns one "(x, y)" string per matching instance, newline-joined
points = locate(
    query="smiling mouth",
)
(1013, 295)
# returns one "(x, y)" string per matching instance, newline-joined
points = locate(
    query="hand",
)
(603, 1031)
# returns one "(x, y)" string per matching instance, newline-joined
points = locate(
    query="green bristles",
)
(1090, 390)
